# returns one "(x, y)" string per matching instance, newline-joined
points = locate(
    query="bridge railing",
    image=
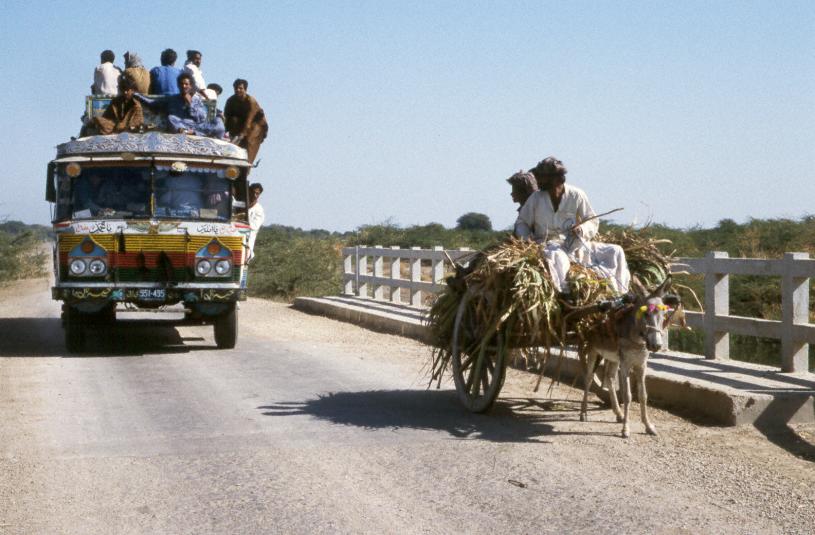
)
(794, 329)
(384, 273)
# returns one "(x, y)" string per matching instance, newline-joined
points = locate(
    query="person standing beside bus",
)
(256, 216)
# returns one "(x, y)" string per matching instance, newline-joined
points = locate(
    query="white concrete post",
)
(362, 271)
(415, 276)
(348, 266)
(378, 272)
(794, 310)
(396, 274)
(717, 303)
(437, 270)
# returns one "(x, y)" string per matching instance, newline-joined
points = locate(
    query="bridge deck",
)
(728, 392)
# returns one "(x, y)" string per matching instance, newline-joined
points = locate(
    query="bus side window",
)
(64, 198)
(50, 189)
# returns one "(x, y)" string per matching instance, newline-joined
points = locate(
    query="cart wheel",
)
(74, 330)
(226, 328)
(478, 372)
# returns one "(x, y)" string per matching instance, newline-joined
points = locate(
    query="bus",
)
(149, 221)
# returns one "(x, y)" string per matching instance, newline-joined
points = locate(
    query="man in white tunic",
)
(193, 68)
(106, 75)
(256, 216)
(559, 217)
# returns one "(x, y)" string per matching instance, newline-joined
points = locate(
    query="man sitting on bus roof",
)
(186, 112)
(245, 119)
(106, 75)
(134, 69)
(123, 114)
(193, 68)
(164, 79)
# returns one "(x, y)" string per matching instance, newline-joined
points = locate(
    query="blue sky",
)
(414, 112)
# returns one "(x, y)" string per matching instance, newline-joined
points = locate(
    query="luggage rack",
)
(95, 106)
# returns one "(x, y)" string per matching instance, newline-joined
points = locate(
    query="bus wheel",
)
(108, 314)
(74, 331)
(226, 328)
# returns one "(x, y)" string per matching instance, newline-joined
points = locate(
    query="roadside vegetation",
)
(23, 251)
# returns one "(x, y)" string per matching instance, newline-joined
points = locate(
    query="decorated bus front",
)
(149, 220)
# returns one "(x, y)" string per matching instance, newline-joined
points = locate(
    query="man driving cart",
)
(560, 218)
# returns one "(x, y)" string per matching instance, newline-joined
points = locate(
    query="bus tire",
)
(74, 331)
(226, 328)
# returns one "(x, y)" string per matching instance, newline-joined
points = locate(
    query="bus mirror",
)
(50, 187)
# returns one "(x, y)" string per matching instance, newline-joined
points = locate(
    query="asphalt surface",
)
(315, 426)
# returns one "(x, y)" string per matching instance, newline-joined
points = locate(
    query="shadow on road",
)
(44, 337)
(436, 410)
(773, 424)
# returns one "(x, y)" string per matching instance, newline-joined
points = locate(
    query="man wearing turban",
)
(560, 217)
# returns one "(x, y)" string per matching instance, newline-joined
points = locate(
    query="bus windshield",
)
(108, 192)
(197, 193)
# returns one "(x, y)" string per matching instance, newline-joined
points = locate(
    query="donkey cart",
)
(623, 331)
(505, 300)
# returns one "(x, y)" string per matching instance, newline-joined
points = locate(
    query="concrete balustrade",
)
(794, 329)
(419, 281)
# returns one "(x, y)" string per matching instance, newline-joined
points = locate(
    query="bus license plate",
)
(152, 294)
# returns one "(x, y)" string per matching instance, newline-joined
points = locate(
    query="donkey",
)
(630, 335)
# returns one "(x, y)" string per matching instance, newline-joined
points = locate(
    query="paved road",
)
(313, 426)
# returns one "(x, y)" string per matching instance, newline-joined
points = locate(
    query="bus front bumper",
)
(149, 295)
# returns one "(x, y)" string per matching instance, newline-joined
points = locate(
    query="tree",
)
(474, 221)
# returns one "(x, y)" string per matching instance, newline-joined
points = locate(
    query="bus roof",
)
(153, 144)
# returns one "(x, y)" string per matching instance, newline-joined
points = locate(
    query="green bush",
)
(22, 255)
(474, 221)
(288, 265)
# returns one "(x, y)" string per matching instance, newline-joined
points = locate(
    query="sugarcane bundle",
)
(511, 298)
(646, 261)
(513, 302)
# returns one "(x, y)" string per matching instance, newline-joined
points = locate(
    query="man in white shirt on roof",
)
(106, 75)
(193, 67)
(256, 216)
(560, 218)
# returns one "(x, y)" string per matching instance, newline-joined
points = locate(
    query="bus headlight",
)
(203, 267)
(77, 267)
(73, 169)
(223, 267)
(97, 267)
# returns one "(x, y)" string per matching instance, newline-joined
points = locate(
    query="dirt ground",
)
(106, 442)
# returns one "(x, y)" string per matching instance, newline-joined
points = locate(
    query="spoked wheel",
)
(478, 361)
